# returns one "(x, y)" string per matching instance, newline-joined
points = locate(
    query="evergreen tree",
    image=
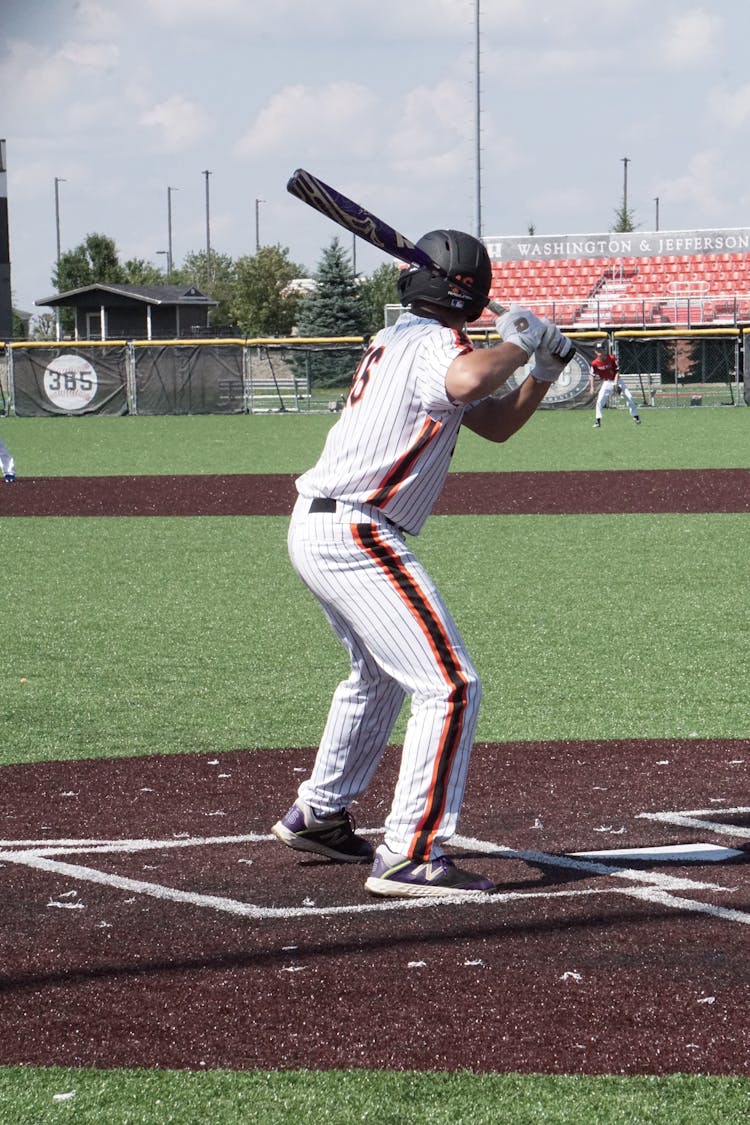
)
(334, 307)
(624, 220)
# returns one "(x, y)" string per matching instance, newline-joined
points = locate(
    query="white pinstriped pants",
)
(401, 639)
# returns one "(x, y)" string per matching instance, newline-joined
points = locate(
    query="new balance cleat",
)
(400, 877)
(332, 836)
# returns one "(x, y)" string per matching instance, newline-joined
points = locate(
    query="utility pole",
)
(478, 122)
(169, 231)
(6, 298)
(625, 162)
(257, 223)
(58, 181)
(208, 230)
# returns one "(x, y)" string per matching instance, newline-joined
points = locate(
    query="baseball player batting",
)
(382, 469)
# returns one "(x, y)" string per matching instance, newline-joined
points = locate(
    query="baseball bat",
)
(357, 219)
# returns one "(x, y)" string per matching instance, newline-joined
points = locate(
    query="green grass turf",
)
(147, 635)
(144, 1097)
(139, 636)
(701, 438)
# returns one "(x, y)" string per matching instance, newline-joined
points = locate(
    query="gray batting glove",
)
(520, 327)
(553, 355)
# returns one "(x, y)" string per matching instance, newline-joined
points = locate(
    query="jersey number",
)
(362, 375)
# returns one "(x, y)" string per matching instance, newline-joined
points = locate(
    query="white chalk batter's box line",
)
(650, 886)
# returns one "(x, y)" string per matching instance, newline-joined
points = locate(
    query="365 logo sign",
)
(70, 382)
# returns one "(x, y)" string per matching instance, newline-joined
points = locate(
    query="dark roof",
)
(145, 294)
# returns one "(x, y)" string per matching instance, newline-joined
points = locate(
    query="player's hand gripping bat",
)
(357, 219)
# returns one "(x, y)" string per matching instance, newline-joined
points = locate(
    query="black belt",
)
(328, 504)
(322, 504)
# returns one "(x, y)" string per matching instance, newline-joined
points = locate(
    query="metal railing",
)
(602, 312)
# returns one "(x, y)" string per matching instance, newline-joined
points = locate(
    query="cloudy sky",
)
(121, 100)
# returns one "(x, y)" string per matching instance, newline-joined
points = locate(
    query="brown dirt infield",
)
(517, 493)
(149, 918)
(210, 944)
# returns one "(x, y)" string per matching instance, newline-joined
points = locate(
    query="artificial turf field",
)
(189, 636)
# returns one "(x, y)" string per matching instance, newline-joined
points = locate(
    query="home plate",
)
(673, 853)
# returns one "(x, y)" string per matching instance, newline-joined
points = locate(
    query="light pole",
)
(169, 231)
(257, 223)
(625, 162)
(656, 201)
(58, 181)
(478, 120)
(169, 262)
(208, 230)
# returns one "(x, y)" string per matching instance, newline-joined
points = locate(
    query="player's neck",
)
(449, 318)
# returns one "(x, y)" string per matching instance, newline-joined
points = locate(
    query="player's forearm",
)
(497, 419)
(482, 372)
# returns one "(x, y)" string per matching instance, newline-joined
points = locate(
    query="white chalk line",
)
(36, 854)
(250, 910)
(696, 818)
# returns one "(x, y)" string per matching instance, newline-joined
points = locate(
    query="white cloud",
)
(433, 132)
(700, 184)
(90, 56)
(31, 76)
(731, 108)
(692, 39)
(177, 122)
(96, 20)
(303, 118)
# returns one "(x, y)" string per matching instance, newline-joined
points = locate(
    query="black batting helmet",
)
(464, 259)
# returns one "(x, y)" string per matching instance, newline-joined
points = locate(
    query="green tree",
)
(137, 271)
(94, 261)
(377, 291)
(262, 305)
(215, 279)
(18, 328)
(334, 307)
(624, 220)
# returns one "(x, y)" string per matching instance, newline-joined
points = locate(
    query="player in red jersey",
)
(604, 368)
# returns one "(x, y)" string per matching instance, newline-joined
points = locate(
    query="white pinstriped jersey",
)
(393, 443)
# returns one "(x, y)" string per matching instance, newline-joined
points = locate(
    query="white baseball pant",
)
(401, 639)
(605, 391)
(7, 464)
